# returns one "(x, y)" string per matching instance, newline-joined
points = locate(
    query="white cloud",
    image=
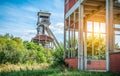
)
(20, 20)
(57, 28)
(28, 34)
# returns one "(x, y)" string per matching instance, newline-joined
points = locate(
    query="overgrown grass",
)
(22, 67)
(58, 71)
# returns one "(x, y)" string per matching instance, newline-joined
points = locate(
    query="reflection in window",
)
(89, 34)
(117, 25)
(102, 29)
(96, 38)
(89, 26)
(96, 27)
(117, 41)
(117, 36)
(117, 32)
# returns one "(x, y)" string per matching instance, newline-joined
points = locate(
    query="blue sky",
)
(19, 17)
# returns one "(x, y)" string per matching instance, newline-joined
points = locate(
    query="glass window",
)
(89, 26)
(117, 32)
(103, 36)
(117, 25)
(117, 37)
(96, 35)
(89, 34)
(102, 27)
(117, 41)
(96, 27)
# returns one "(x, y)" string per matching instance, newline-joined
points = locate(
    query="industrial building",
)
(92, 18)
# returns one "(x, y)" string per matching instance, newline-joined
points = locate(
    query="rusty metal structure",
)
(44, 36)
(79, 14)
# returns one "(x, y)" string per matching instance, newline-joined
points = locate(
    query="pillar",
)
(80, 38)
(85, 44)
(69, 38)
(92, 40)
(109, 31)
(74, 35)
(64, 39)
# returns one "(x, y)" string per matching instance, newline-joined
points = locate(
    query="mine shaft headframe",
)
(43, 18)
(45, 14)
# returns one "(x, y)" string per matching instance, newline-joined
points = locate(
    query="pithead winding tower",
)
(44, 36)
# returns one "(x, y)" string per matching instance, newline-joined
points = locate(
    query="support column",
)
(64, 56)
(64, 39)
(109, 31)
(99, 42)
(72, 41)
(69, 38)
(85, 44)
(80, 38)
(92, 40)
(74, 34)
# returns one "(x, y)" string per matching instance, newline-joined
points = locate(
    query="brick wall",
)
(69, 4)
(72, 62)
(97, 65)
(115, 62)
(94, 64)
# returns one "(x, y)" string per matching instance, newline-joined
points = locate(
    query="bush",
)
(14, 50)
(58, 57)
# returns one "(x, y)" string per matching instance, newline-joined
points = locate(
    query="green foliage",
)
(99, 46)
(10, 50)
(56, 72)
(71, 45)
(14, 50)
(58, 56)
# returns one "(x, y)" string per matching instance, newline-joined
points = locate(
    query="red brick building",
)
(95, 18)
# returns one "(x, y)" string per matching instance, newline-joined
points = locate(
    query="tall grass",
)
(18, 67)
(58, 71)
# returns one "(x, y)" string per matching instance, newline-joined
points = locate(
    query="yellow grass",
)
(18, 67)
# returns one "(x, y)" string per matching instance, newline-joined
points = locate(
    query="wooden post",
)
(64, 34)
(85, 44)
(99, 42)
(74, 34)
(92, 40)
(69, 38)
(80, 38)
(79, 46)
(109, 31)
(72, 42)
(64, 39)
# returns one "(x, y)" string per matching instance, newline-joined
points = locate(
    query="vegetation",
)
(56, 72)
(23, 58)
(58, 57)
(99, 46)
(13, 50)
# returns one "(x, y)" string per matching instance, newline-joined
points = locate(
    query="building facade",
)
(85, 19)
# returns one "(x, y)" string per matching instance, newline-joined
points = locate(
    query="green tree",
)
(10, 49)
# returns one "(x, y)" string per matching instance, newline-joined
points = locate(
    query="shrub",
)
(14, 50)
